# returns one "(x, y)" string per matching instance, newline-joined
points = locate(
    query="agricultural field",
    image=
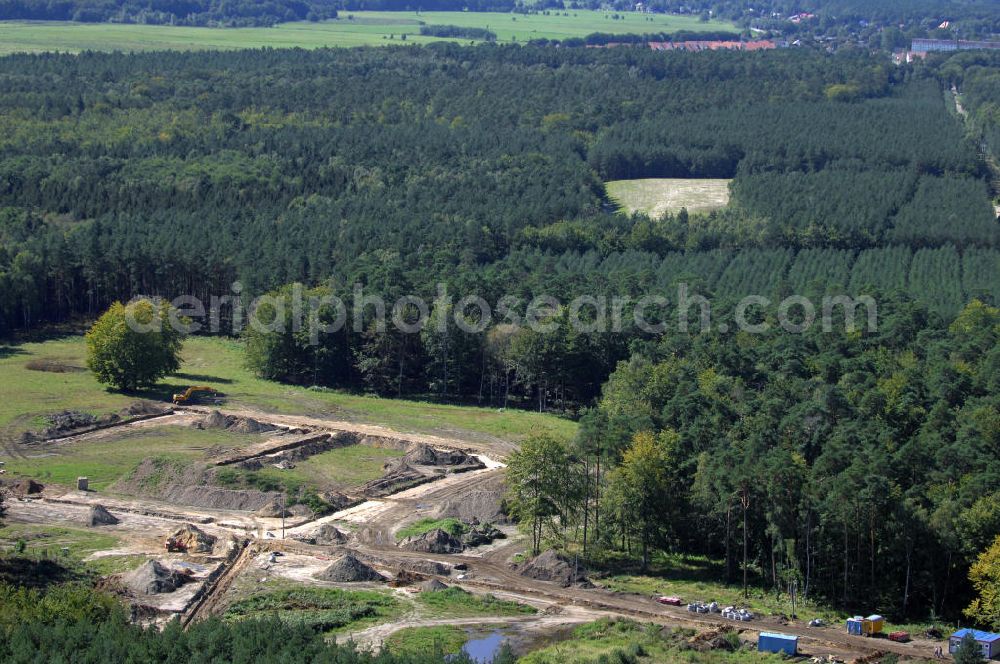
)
(351, 29)
(655, 197)
(37, 379)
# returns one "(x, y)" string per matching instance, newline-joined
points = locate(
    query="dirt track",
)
(143, 524)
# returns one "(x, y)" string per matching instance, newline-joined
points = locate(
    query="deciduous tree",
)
(133, 346)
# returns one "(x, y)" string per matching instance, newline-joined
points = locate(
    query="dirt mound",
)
(484, 504)
(482, 534)
(140, 408)
(303, 452)
(98, 515)
(67, 422)
(348, 569)
(715, 639)
(336, 500)
(273, 510)
(23, 488)
(153, 578)
(189, 485)
(327, 535)
(216, 420)
(433, 541)
(426, 567)
(550, 566)
(432, 586)
(249, 425)
(405, 578)
(421, 454)
(191, 539)
(398, 476)
(52, 366)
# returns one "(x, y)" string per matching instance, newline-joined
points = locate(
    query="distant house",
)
(989, 642)
(928, 45)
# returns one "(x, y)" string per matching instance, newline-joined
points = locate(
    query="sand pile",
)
(348, 569)
(433, 585)
(273, 510)
(98, 515)
(421, 454)
(153, 578)
(433, 541)
(23, 488)
(191, 539)
(550, 566)
(328, 535)
(248, 425)
(139, 408)
(484, 504)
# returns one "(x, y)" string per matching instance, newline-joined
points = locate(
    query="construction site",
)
(190, 541)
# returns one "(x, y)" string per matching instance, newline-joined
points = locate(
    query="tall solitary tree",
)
(536, 484)
(643, 486)
(132, 346)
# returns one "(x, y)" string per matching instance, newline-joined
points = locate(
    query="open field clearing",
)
(107, 459)
(657, 196)
(351, 466)
(28, 395)
(364, 29)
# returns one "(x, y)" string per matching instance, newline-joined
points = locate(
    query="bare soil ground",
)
(143, 526)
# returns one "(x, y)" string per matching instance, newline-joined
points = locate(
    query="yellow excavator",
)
(187, 395)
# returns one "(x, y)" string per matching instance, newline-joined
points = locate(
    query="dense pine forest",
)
(860, 462)
(483, 168)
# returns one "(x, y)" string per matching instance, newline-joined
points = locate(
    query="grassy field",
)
(443, 639)
(26, 395)
(327, 610)
(457, 603)
(104, 461)
(351, 29)
(657, 196)
(349, 466)
(48, 542)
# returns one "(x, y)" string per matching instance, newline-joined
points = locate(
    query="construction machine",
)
(188, 394)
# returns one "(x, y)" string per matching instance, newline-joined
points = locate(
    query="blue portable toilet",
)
(854, 625)
(771, 642)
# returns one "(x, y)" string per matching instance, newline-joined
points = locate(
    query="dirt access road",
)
(374, 541)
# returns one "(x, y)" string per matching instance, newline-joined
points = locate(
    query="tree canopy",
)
(132, 346)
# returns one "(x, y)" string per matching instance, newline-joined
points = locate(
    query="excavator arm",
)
(186, 395)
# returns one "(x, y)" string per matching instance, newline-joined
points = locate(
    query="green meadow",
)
(28, 394)
(350, 29)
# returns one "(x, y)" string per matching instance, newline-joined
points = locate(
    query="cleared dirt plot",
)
(657, 196)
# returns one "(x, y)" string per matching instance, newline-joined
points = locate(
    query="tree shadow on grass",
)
(10, 351)
(166, 391)
(676, 567)
(34, 573)
(202, 379)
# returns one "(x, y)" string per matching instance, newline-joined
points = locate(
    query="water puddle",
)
(482, 651)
